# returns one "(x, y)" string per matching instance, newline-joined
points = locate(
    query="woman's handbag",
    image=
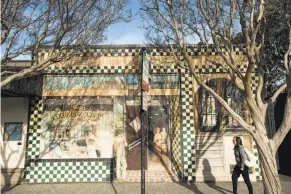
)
(251, 160)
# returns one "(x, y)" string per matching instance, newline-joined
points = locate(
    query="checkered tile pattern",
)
(176, 136)
(32, 146)
(192, 50)
(258, 172)
(216, 68)
(84, 69)
(164, 69)
(48, 171)
(102, 51)
(188, 132)
(255, 82)
(133, 50)
(73, 171)
(158, 69)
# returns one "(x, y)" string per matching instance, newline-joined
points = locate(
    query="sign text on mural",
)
(75, 112)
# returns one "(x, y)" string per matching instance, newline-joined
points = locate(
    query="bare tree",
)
(172, 22)
(27, 25)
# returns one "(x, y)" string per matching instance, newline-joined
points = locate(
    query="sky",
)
(127, 33)
(119, 33)
(124, 33)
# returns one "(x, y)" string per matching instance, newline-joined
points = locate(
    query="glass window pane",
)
(64, 82)
(165, 82)
(132, 80)
(57, 83)
(105, 82)
(77, 83)
(50, 83)
(13, 131)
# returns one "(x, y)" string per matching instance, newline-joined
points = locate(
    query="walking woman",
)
(240, 167)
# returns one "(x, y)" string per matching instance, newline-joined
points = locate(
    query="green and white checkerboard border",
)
(70, 171)
(66, 170)
(188, 131)
(186, 150)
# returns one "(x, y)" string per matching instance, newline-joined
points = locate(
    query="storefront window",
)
(80, 127)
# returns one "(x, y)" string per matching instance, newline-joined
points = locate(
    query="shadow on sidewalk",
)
(7, 188)
(114, 189)
(209, 180)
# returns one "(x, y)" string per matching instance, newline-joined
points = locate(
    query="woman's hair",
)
(238, 141)
(156, 130)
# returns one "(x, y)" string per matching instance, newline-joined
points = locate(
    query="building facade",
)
(85, 126)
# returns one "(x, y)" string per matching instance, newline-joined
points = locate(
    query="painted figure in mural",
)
(158, 141)
(93, 150)
(240, 167)
(55, 148)
(164, 137)
(121, 164)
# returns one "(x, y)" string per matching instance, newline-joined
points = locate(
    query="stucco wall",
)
(14, 110)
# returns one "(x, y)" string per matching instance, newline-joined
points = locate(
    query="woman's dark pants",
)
(245, 174)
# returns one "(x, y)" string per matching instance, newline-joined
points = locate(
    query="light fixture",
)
(162, 109)
(156, 114)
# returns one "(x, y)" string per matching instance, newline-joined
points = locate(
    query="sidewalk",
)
(134, 188)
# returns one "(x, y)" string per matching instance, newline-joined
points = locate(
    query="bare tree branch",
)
(29, 24)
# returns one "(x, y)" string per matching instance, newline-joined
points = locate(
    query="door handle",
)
(19, 143)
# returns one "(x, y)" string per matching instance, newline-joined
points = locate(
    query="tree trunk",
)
(269, 170)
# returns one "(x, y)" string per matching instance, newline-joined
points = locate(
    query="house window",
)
(235, 99)
(13, 131)
(208, 109)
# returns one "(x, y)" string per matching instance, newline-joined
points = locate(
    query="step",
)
(208, 139)
(209, 155)
(209, 152)
(208, 145)
(212, 162)
(213, 173)
(211, 134)
(210, 148)
(201, 169)
(211, 178)
(217, 170)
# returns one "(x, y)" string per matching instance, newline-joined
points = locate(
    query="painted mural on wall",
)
(80, 128)
(102, 82)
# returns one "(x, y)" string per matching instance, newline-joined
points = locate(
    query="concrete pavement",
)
(134, 188)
